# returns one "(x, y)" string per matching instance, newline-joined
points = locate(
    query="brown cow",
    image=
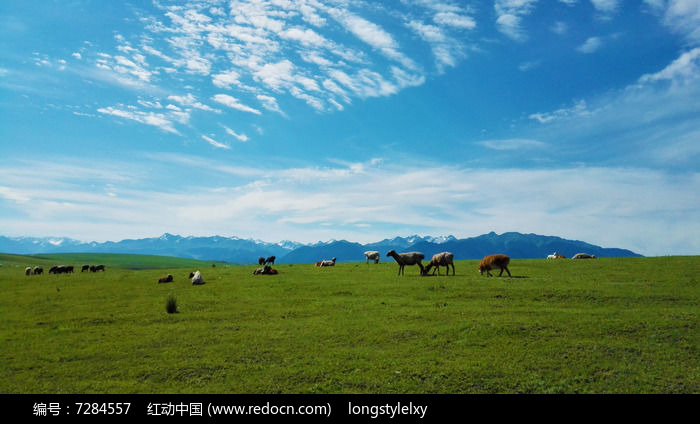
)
(494, 261)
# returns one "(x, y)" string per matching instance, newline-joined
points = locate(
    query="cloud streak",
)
(266, 50)
(606, 204)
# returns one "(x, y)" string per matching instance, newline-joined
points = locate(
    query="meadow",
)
(622, 325)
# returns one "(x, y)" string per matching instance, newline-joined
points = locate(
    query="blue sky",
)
(306, 120)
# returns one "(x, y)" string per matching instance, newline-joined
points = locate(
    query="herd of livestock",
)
(444, 259)
(62, 269)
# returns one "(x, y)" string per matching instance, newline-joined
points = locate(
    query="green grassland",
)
(623, 325)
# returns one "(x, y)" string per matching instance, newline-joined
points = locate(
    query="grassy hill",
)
(119, 261)
(613, 325)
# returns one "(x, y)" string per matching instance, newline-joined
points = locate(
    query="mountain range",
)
(237, 250)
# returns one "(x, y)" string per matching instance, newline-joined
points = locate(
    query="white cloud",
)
(269, 103)
(446, 50)
(528, 66)
(605, 6)
(512, 144)
(215, 143)
(239, 137)
(591, 45)
(686, 67)
(509, 16)
(629, 126)
(233, 103)
(608, 205)
(683, 17)
(254, 48)
(454, 20)
(14, 195)
(226, 79)
(159, 120)
(190, 100)
(580, 109)
(560, 28)
(373, 35)
(305, 36)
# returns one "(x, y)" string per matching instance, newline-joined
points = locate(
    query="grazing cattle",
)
(166, 279)
(410, 258)
(441, 259)
(372, 255)
(270, 260)
(583, 256)
(69, 268)
(326, 263)
(85, 268)
(266, 270)
(556, 255)
(197, 279)
(95, 268)
(494, 261)
(28, 270)
(58, 269)
(261, 261)
(38, 270)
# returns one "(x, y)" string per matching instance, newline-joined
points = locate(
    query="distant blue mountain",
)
(236, 250)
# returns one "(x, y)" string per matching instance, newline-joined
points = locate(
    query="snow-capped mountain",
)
(237, 250)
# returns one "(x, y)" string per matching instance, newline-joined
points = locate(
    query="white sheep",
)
(409, 258)
(441, 259)
(373, 255)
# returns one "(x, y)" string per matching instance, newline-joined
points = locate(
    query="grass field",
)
(627, 325)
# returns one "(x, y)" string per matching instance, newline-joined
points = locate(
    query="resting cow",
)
(266, 270)
(197, 279)
(166, 279)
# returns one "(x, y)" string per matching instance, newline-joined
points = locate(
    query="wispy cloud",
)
(190, 100)
(446, 50)
(628, 125)
(579, 109)
(234, 103)
(373, 35)
(509, 16)
(512, 144)
(685, 67)
(215, 143)
(683, 17)
(560, 28)
(591, 45)
(237, 136)
(606, 7)
(293, 200)
(159, 120)
(271, 50)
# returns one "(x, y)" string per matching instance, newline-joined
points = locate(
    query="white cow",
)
(197, 279)
(372, 255)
